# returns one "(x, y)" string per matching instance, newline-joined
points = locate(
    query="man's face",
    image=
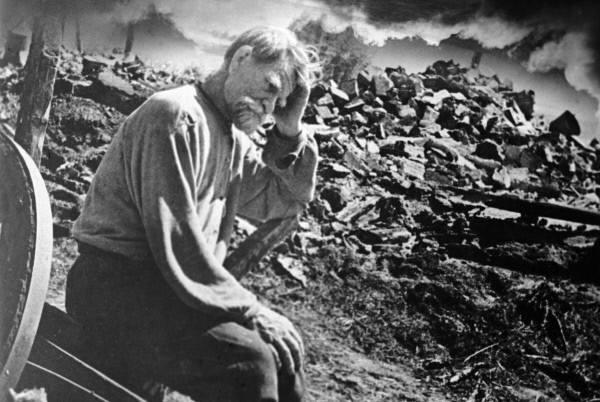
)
(254, 89)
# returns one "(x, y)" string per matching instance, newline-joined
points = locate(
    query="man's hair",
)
(270, 44)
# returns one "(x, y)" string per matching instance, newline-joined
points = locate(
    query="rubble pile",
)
(453, 228)
(429, 184)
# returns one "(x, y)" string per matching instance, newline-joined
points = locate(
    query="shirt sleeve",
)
(280, 179)
(165, 158)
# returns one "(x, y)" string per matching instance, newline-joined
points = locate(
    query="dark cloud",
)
(571, 13)
(385, 11)
(566, 13)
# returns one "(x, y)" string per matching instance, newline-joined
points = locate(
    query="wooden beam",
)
(258, 244)
(530, 208)
(40, 73)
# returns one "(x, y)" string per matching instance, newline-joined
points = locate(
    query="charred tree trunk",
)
(40, 73)
(129, 40)
(78, 34)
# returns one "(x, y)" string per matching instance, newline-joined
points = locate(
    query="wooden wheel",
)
(25, 258)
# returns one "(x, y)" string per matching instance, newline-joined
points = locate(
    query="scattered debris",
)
(451, 227)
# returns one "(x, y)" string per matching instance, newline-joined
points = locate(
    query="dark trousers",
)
(139, 332)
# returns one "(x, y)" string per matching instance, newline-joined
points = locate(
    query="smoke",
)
(490, 32)
(550, 34)
(573, 55)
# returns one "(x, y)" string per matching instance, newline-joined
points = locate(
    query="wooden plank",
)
(531, 208)
(49, 356)
(258, 244)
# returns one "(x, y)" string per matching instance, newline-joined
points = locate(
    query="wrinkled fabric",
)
(171, 183)
(137, 331)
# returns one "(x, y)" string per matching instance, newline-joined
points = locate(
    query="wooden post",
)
(40, 73)
(129, 40)
(78, 33)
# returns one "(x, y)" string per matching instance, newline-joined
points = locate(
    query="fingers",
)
(302, 84)
(296, 336)
(296, 352)
(275, 355)
(286, 356)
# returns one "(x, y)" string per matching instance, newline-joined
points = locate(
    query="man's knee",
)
(253, 366)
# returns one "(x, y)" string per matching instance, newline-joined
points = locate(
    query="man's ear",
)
(240, 56)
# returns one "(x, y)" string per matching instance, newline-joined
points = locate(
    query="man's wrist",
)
(251, 312)
(290, 133)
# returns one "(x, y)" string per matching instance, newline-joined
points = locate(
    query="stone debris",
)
(417, 172)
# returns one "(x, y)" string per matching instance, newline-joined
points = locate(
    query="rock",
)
(514, 115)
(334, 197)
(350, 87)
(526, 102)
(381, 84)
(290, 267)
(436, 98)
(529, 160)
(112, 90)
(413, 169)
(363, 80)
(399, 79)
(489, 149)
(444, 68)
(392, 106)
(94, 65)
(359, 118)
(326, 100)
(332, 149)
(354, 159)
(566, 123)
(391, 208)
(368, 97)
(518, 176)
(430, 116)
(317, 91)
(378, 103)
(325, 112)
(335, 171)
(407, 115)
(512, 153)
(340, 98)
(501, 178)
(481, 163)
(446, 118)
(355, 104)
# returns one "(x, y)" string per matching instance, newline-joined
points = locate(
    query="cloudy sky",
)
(550, 46)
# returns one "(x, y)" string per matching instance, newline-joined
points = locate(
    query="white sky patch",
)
(571, 54)
(218, 21)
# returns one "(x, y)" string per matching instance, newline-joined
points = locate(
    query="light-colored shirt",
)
(171, 183)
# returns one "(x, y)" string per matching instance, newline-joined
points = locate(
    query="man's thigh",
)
(227, 362)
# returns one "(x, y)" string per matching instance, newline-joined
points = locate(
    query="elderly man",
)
(149, 286)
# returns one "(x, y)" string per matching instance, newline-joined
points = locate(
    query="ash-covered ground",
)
(429, 266)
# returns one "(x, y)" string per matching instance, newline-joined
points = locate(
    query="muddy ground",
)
(403, 289)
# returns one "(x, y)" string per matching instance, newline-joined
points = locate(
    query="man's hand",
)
(288, 118)
(279, 333)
